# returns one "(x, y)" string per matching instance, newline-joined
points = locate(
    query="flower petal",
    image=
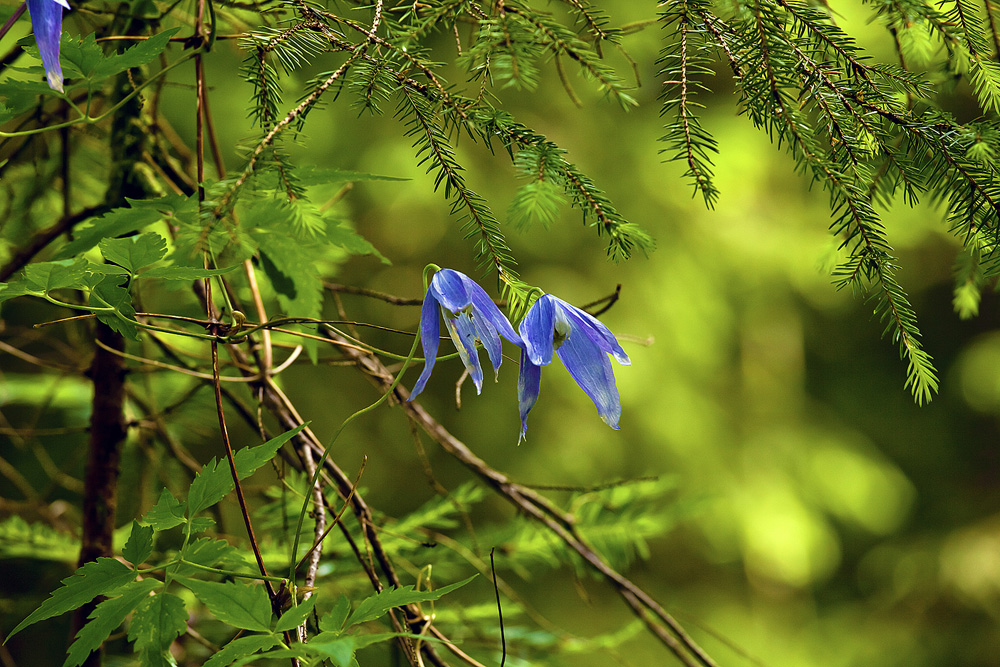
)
(450, 289)
(528, 383)
(463, 333)
(46, 23)
(537, 329)
(589, 365)
(430, 332)
(482, 302)
(487, 335)
(597, 331)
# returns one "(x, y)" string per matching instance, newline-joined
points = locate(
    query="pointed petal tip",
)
(55, 81)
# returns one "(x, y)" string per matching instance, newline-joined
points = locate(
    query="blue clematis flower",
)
(470, 316)
(46, 23)
(582, 343)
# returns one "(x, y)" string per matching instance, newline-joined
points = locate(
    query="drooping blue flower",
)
(582, 344)
(46, 23)
(470, 316)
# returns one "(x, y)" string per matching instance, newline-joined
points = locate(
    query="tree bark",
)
(107, 433)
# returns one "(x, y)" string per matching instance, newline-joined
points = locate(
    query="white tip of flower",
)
(64, 3)
(55, 81)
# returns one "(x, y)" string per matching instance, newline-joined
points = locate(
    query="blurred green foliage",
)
(810, 514)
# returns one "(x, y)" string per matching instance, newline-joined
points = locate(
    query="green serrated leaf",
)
(300, 294)
(98, 577)
(215, 479)
(297, 651)
(43, 277)
(15, 289)
(241, 647)
(209, 486)
(112, 290)
(280, 281)
(79, 56)
(249, 459)
(135, 56)
(106, 617)
(21, 96)
(84, 59)
(180, 208)
(333, 621)
(116, 222)
(200, 524)
(211, 552)
(339, 234)
(134, 252)
(240, 605)
(139, 544)
(376, 606)
(295, 616)
(155, 624)
(293, 275)
(340, 651)
(166, 513)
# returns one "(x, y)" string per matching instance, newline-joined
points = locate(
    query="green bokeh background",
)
(817, 517)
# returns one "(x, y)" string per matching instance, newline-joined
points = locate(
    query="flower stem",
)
(13, 17)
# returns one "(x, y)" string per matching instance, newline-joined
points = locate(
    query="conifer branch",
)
(595, 20)
(561, 40)
(855, 220)
(685, 135)
(433, 146)
(226, 200)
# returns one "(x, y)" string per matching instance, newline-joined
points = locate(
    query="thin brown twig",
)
(364, 291)
(336, 519)
(224, 431)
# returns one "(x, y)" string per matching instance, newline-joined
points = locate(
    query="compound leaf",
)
(112, 290)
(106, 617)
(98, 577)
(215, 480)
(239, 605)
(116, 222)
(375, 606)
(241, 647)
